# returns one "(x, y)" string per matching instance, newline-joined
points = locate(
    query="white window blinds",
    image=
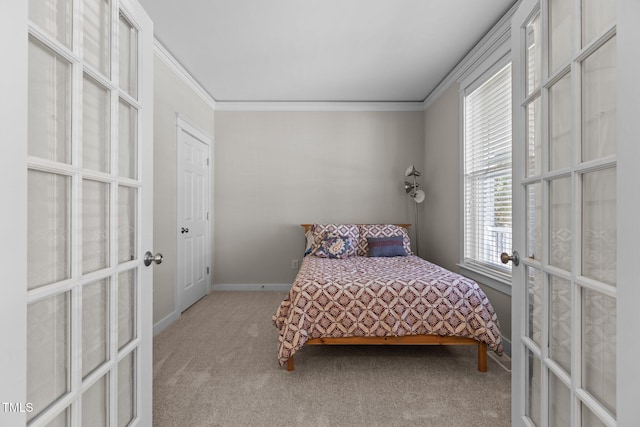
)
(487, 173)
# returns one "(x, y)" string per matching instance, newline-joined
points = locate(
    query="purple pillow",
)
(386, 246)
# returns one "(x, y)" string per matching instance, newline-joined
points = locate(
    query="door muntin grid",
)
(570, 183)
(83, 226)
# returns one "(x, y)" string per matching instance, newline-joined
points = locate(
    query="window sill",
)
(487, 278)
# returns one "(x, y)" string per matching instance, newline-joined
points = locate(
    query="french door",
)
(82, 307)
(566, 319)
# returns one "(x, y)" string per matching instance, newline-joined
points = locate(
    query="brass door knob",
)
(515, 258)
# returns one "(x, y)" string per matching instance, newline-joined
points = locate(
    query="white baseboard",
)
(506, 346)
(251, 287)
(164, 323)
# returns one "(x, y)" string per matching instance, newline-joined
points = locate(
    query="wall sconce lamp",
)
(412, 188)
(418, 196)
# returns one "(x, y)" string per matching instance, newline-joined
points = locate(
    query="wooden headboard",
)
(308, 226)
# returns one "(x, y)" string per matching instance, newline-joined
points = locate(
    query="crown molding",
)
(318, 106)
(496, 37)
(182, 72)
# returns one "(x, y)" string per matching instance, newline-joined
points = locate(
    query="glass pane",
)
(534, 376)
(599, 347)
(49, 133)
(533, 54)
(599, 103)
(560, 32)
(128, 57)
(126, 224)
(560, 322)
(126, 390)
(535, 296)
(62, 420)
(597, 16)
(95, 226)
(534, 138)
(560, 124)
(54, 17)
(48, 351)
(599, 226)
(560, 223)
(534, 221)
(589, 419)
(559, 402)
(96, 29)
(95, 404)
(487, 170)
(49, 228)
(128, 141)
(126, 307)
(95, 126)
(95, 326)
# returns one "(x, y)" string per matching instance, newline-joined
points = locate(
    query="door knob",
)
(515, 258)
(184, 230)
(149, 258)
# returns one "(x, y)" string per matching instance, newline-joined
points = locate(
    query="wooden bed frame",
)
(405, 340)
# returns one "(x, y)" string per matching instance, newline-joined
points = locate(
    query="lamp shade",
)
(409, 187)
(418, 196)
(411, 171)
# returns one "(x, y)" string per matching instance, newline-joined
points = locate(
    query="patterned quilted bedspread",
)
(394, 296)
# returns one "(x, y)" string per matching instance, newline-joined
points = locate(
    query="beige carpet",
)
(217, 366)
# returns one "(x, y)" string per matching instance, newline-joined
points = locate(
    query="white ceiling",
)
(312, 51)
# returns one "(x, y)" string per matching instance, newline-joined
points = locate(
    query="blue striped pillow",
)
(386, 246)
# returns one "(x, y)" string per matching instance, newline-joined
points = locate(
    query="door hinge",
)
(207, 270)
(207, 161)
(207, 215)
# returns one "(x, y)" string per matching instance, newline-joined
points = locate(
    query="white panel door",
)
(565, 291)
(194, 191)
(83, 304)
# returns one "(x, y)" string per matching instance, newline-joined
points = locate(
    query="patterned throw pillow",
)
(335, 246)
(318, 232)
(386, 246)
(381, 230)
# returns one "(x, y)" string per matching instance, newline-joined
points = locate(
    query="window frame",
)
(476, 76)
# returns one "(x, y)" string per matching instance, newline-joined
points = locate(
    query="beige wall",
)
(275, 170)
(172, 96)
(442, 180)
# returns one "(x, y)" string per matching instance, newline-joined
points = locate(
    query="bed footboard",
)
(405, 340)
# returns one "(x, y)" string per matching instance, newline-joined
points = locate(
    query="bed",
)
(360, 284)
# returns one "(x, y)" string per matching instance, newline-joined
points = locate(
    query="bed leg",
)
(290, 364)
(482, 357)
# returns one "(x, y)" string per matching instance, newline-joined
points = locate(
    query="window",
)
(487, 173)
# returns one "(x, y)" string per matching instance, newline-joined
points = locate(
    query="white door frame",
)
(145, 148)
(628, 39)
(518, 291)
(184, 125)
(13, 222)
